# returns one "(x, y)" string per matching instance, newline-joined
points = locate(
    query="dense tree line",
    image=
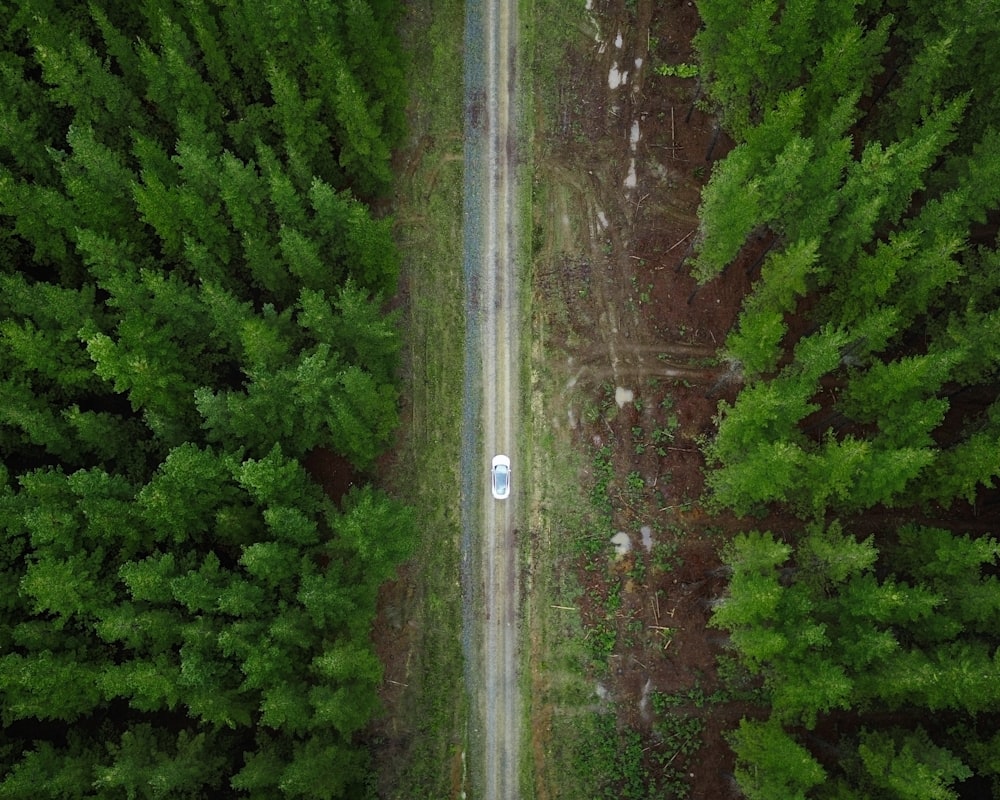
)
(904, 637)
(863, 194)
(192, 300)
(882, 209)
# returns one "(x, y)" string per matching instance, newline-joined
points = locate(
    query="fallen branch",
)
(679, 749)
(639, 203)
(675, 244)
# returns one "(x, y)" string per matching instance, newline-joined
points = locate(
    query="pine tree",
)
(49, 771)
(180, 502)
(729, 211)
(323, 770)
(909, 766)
(47, 685)
(770, 763)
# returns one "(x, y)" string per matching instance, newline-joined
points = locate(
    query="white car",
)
(500, 477)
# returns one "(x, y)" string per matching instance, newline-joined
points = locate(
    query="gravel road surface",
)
(489, 557)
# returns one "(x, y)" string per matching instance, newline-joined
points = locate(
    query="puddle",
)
(619, 40)
(647, 537)
(638, 63)
(622, 543)
(589, 8)
(633, 138)
(630, 179)
(602, 220)
(623, 396)
(644, 700)
(616, 77)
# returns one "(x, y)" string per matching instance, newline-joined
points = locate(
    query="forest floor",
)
(616, 218)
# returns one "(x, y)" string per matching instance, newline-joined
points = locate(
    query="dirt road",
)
(488, 542)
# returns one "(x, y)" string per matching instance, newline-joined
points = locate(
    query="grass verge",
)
(559, 699)
(425, 725)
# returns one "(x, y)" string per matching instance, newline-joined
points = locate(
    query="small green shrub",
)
(677, 70)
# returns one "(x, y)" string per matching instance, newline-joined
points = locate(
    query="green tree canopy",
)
(192, 301)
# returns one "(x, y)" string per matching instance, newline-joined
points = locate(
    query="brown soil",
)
(637, 320)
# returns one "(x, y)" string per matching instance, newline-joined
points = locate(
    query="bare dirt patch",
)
(621, 175)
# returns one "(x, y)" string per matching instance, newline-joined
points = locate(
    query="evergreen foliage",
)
(191, 300)
(834, 623)
(867, 153)
(874, 222)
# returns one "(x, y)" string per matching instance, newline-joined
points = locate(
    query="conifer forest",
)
(867, 174)
(192, 296)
